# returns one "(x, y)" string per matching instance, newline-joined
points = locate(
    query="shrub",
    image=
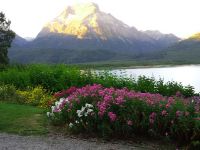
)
(34, 96)
(58, 77)
(121, 112)
(37, 96)
(8, 93)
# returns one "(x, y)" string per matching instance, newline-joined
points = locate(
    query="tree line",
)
(6, 37)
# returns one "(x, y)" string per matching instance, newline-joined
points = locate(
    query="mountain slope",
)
(186, 51)
(19, 41)
(164, 40)
(84, 26)
(84, 30)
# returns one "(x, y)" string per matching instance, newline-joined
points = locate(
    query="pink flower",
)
(102, 109)
(178, 113)
(108, 98)
(65, 93)
(112, 116)
(119, 100)
(152, 117)
(164, 113)
(170, 100)
(167, 105)
(129, 122)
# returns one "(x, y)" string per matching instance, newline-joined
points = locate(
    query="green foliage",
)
(6, 37)
(55, 78)
(37, 96)
(8, 93)
(34, 96)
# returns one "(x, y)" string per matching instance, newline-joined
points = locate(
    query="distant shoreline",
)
(158, 66)
(112, 66)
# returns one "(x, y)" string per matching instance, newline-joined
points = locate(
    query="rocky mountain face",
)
(84, 28)
(164, 40)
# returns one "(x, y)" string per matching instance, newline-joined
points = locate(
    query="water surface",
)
(187, 75)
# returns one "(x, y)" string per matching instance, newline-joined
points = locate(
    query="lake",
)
(187, 75)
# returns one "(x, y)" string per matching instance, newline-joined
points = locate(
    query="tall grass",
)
(58, 77)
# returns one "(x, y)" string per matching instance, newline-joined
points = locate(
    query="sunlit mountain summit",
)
(75, 20)
(195, 36)
(86, 21)
(86, 31)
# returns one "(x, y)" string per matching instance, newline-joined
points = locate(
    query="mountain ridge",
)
(85, 28)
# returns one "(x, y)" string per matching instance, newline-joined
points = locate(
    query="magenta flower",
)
(164, 113)
(178, 113)
(152, 117)
(171, 100)
(65, 93)
(167, 105)
(119, 100)
(102, 109)
(112, 116)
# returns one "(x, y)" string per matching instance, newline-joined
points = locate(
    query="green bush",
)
(34, 96)
(58, 77)
(8, 93)
(37, 96)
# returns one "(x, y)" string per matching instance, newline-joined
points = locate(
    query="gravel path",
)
(16, 142)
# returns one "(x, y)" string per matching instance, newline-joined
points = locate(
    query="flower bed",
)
(121, 112)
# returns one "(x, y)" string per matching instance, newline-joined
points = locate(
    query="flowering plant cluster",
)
(110, 111)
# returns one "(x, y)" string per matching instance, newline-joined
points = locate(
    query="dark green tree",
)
(6, 37)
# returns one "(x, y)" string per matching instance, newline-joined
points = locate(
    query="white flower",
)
(88, 105)
(62, 99)
(77, 121)
(48, 114)
(56, 103)
(66, 100)
(89, 110)
(79, 112)
(52, 108)
(70, 125)
(82, 108)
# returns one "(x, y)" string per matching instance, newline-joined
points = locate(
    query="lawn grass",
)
(22, 119)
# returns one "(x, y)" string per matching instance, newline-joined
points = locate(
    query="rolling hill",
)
(185, 51)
